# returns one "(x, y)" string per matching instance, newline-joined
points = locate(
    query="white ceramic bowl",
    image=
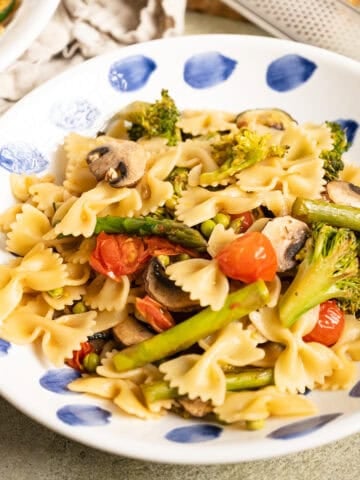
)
(28, 22)
(226, 72)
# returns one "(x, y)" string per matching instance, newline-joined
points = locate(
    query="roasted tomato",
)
(77, 359)
(153, 313)
(242, 221)
(118, 254)
(249, 258)
(329, 325)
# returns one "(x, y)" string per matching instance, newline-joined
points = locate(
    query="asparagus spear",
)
(249, 378)
(174, 231)
(244, 380)
(320, 211)
(190, 331)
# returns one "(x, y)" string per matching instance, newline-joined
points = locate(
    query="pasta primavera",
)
(197, 262)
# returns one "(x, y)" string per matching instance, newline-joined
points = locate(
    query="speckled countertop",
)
(29, 451)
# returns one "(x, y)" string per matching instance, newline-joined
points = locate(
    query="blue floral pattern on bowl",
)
(22, 158)
(289, 72)
(131, 73)
(4, 347)
(77, 114)
(79, 415)
(355, 391)
(56, 380)
(303, 427)
(194, 433)
(208, 69)
(350, 126)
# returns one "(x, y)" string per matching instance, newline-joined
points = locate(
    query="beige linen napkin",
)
(81, 29)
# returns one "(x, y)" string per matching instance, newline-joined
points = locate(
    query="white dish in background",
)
(28, 22)
(233, 75)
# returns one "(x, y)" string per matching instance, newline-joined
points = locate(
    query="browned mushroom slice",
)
(344, 193)
(287, 235)
(270, 117)
(130, 331)
(121, 163)
(196, 407)
(159, 286)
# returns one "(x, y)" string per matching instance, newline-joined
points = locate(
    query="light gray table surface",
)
(29, 451)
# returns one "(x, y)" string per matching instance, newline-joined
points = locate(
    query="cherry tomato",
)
(117, 255)
(329, 325)
(76, 361)
(249, 258)
(161, 246)
(243, 221)
(153, 313)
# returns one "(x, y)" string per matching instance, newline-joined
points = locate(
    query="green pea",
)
(255, 424)
(91, 362)
(164, 260)
(79, 307)
(182, 256)
(56, 292)
(222, 218)
(207, 227)
(237, 225)
(171, 203)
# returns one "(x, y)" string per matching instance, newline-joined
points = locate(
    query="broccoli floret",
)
(236, 151)
(333, 163)
(179, 179)
(156, 120)
(329, 270)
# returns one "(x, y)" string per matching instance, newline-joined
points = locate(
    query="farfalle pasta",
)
(168, 268)
(301, 364)
(201, 375)
(28, 228)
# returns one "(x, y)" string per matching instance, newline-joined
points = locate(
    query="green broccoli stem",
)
(309, 288)
(184, 334)
(329, 270)
(320, 211)
(245, 380)
(228, 169)
(174, 231)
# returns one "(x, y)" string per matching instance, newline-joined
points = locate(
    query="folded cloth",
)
(82, 29)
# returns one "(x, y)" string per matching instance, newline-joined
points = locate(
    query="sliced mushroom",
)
(196, 407)
(287, 236)
(344, 193)
(130, 331)
(269, 117)
(121, 163)
(272, 352)
(159, 286)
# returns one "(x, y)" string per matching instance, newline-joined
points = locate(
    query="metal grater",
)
(330, 24)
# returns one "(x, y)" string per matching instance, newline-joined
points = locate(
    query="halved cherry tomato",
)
(153, 313)
(77, 359)
(246, 219)
(249, 258)
(161, 246)
(118, 254)
(329, 325)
